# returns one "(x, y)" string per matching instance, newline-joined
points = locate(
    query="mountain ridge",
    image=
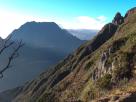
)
(31, 30)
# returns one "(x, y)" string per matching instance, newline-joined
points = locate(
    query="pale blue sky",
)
(71, 14)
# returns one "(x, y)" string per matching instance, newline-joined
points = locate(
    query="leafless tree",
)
(15, 45)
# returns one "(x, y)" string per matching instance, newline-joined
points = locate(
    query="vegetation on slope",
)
(96, 69)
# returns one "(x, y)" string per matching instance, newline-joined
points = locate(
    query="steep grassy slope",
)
(98, 68)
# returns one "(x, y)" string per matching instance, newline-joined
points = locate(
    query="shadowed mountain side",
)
(46, 34)
(29, 64)
(45, 44)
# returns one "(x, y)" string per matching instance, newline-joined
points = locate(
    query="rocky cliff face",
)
(101, 70)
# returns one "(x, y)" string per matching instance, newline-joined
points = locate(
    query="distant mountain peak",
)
(41, 25)
(45, 43)
(34, 22)
(44, 34)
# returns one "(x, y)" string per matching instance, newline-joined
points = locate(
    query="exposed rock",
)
(103, 67)
(118, 19)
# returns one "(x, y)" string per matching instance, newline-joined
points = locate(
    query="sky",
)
(68, 14)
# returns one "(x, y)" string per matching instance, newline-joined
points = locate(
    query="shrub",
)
(122, 67)
(89, 64)
(104, 82)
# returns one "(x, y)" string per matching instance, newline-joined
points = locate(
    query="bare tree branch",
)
(6, 44)
(12, 56)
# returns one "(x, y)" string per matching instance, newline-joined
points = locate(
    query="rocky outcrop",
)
(118, 19)
(104, 66)
(103, 35)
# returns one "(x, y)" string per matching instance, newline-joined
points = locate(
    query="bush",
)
(104, 82)
(122, 67)
(89, 64)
